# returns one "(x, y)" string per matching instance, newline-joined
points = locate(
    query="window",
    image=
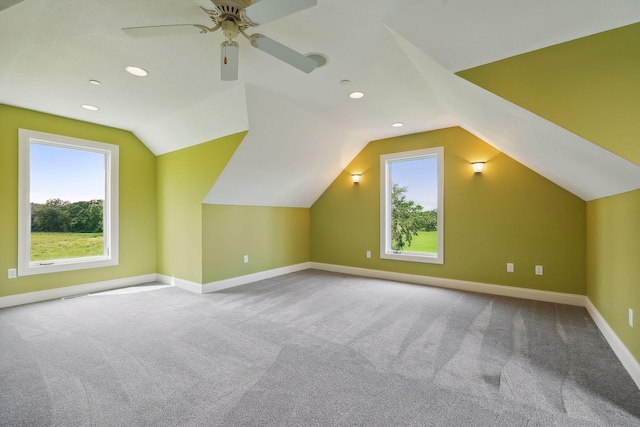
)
(68, 203)
(411, 206)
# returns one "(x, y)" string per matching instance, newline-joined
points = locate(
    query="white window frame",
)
(110, 204)
(385, 206)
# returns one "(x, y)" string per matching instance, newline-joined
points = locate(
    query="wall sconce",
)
(356, 178)
(477, 167)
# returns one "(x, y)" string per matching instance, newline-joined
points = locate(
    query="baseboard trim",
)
(219, 285)
(254, 277)
(187, 285)
(618, 347)
(622, 352)
(67, 291)
(462, 285)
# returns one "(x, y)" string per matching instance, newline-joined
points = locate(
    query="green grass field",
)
(48, 246)
(425, 241)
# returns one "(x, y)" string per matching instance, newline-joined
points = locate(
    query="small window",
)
(68, 203)
(411, 206)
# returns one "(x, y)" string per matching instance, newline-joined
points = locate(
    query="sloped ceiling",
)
(282, 150)
(574, 163)
(303, 128)
(589, 86)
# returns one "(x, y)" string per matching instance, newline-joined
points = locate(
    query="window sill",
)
(57, 266)
(413, 257)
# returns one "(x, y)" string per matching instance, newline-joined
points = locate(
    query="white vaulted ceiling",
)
(303, 128)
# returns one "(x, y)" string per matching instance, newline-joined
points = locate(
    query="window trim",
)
(385, 206)
(110, 204)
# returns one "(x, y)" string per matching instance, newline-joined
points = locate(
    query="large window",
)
(68, 203)
(411, 206)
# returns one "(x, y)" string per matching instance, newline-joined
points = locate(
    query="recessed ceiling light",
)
(90, 107)
(136, 71)
(95, 82)
(356, 95)
(397, 124)
(320, 59)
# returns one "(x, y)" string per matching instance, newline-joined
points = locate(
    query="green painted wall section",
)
(184, 178)
(137, 201)
(272, 237)
(589, 86)
(507, 214)
(613, 263)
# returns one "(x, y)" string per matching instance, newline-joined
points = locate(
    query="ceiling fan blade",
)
(165, 30)
(270, 10)
(6, 4)
(283, 53)
(205, 4)
(229, 61)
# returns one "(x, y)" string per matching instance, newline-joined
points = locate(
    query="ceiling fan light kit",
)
(234, 17)
(229, 60)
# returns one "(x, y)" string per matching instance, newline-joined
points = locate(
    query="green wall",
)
(272, 237)
(184, 179)
(137, 201)
(507, 214)
(613, 263)
(589, 86)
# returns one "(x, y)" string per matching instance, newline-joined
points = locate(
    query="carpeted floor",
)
(308, 349)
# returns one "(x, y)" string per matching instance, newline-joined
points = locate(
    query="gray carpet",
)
(308, 349)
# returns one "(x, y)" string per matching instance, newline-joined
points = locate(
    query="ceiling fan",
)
(234, 17)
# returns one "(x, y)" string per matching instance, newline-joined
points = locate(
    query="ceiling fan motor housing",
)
(230, 29)
(229, 5)
(234, 17)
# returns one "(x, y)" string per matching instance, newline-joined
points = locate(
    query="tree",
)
(61, 216)
(429, 220)
(51, 217)
(85, 217)
(406, 218)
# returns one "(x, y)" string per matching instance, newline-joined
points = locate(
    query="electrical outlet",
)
(631, 317)
(510, 267)
(368, 254)
(246, 259)
(539, 270)
(12, 273)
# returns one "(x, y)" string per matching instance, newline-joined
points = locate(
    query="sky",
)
(68, 174)
(77, 175)
(420, 176)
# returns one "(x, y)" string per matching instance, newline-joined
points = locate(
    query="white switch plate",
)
(12, 273)
(539, 270)
(368, 254)
(631, 317)
(510, 267)
(246, 259)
